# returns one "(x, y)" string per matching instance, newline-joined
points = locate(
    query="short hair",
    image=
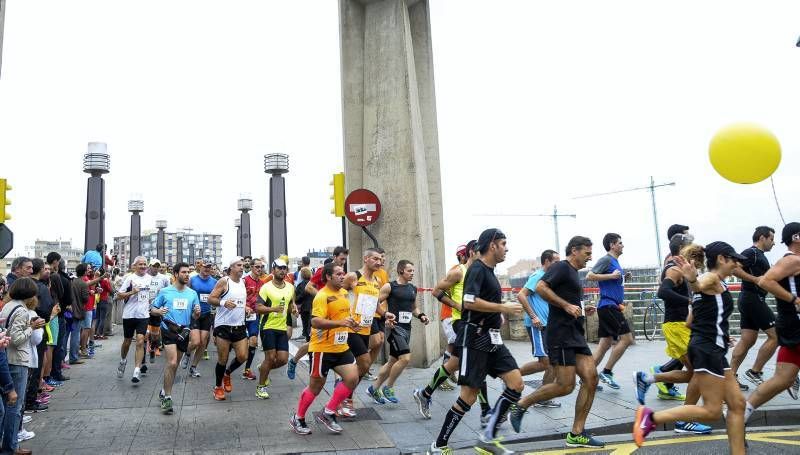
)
(676, 229)
(23, 289)
(38, 265)
(139, 258)
(401, 266)
(52, 257)
(371, 251)
(17, 263)
(305, 260)
(380, 250)
(248, 257)
(762, 231)
(177, 267)
(327, 261)
(327, 270)
(80, 269)
(339, 250)
(610, 239)
(577, 242)
(305, 273)
(62, 265)
(678, 241)
(99, 247)
(547, 255)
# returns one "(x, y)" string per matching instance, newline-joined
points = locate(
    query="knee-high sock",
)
(220, 371)
(306, 398)
(251, 352)
(234, 365)
(339, 394)
(505, 401)
(438, 379)
(451, 420)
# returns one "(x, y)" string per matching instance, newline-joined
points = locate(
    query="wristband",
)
(440, 295)
(419, 316)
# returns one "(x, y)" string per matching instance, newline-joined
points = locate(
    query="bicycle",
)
(653, 314)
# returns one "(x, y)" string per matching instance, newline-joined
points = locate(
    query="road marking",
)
(627, 448)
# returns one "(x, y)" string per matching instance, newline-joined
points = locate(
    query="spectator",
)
(20, 267)
(94, 257)
(44, 310)
(60, 353)
(80, 298)
(305, 261)
(20, 327)
(103, 305)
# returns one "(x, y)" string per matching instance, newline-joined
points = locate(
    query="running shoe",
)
(642, 425)
(375, 395)
(226, 383)
(27, 419)
(24, 435)
(608, 379)
(492, 446)
(485, 417)
(152, 356)
(742, 387)
(641, 386)
(329, 421)
(662, 388)
(346, 409)
(794, 389)
(219, 394)
(248, 374)
(423, 404)
(692, 427)
(144, 369)
(673, 394)
(291, 368)
(517, 413)
(193, 372)
(369, 376)
(756, 378)
(388, 393)
(135, 379)
(53, 383)
(584, 439)
(261, 392)
(161, 394)
(166, 405)
(446, 386)
(547, 404)
(185, 361)
(299, 425)
(434, 450)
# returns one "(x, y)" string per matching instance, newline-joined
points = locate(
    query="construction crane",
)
(555, 215)
(652, 188)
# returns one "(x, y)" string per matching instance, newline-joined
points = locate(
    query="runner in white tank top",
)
(229, 297)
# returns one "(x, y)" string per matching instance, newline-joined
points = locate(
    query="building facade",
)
(195, 246)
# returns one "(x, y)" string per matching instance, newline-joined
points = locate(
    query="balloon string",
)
(775, 196)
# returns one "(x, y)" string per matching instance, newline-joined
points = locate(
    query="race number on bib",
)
(494, 334)
(366, 304)
(404, 317)
(204, 298)
(251, 317)
(340, 338)
(239, 303)
(143, 296)
(366, 319)
(180, 304)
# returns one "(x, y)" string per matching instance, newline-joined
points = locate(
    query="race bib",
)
(494, 334)
(340, 338)
(251, 317)
(239, 303)
(404, 317)
(143, 296)
(180, 304)
(204, 298)
(366, 305)
(366, 319)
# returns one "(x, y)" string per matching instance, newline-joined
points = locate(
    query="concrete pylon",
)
(244, 204)
(391, 141)
(161, 242)
(135, 206)
(96, 163)
(2, 27)
(277, 164)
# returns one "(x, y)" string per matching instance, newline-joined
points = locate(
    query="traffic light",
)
(4, 201)
(338, 194)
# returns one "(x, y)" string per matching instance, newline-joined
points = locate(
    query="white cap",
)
(235, 260)
(279, 263)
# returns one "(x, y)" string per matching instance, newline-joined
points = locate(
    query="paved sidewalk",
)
(95, 412)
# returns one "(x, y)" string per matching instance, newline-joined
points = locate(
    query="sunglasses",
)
(282, 268)
(258, 266)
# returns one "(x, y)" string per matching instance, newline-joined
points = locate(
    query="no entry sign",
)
(362, 207)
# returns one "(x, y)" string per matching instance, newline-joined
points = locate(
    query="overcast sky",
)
(539, 102)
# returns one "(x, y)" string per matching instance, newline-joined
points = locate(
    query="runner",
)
(483, 351)
(610, 278)
(135, 291)
(712, 305)
(158, 281)
(783, 281)
(230, 298)
(755, 313)
(252, 282)
(401, 296)
(566, 343)
(365, 291)
(275, 299)
(203, 283)
(536, 313)
(177, 305)
(303, 301)
(331, 321)
(450, 314)
(378, 329)
(674, 291)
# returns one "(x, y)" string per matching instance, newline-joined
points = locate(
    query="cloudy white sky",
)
(539, 101)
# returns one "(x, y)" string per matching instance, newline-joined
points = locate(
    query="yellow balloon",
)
(744, 153)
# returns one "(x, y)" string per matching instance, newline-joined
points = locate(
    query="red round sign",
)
(362, 207)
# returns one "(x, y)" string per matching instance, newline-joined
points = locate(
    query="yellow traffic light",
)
(338, 194)
(4, 201)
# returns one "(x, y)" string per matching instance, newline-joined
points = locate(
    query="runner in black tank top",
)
(401, 296)
(712, 305)
(783, 281)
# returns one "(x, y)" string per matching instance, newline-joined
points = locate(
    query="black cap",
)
(789, 231)
(676, 229)
(714, 249)
(471, 245)
(488, 236)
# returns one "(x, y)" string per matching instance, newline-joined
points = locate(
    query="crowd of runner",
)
(53, 320)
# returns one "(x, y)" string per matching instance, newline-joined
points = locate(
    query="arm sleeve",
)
(602, 265)
(666, 291)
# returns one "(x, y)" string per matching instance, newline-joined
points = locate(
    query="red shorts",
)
(789, 355)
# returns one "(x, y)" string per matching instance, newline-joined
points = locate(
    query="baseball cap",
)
(789, 231)
(461, 250)
(235, 260)
(714, 249)
(154, 261)
(676, 229)
(488, 236)
(207, 262)
(279, 263)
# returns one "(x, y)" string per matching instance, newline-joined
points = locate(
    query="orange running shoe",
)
(226, 383)
(219, 394)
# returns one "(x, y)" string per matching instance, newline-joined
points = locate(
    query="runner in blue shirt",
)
(536, 311)
(203, 283)
(178, 305)
(613, 326)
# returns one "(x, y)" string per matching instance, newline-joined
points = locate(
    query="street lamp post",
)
(277, 164)
(237, 223)
(161, 225)
(244, 205)
(96, 162)
(135, 206)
